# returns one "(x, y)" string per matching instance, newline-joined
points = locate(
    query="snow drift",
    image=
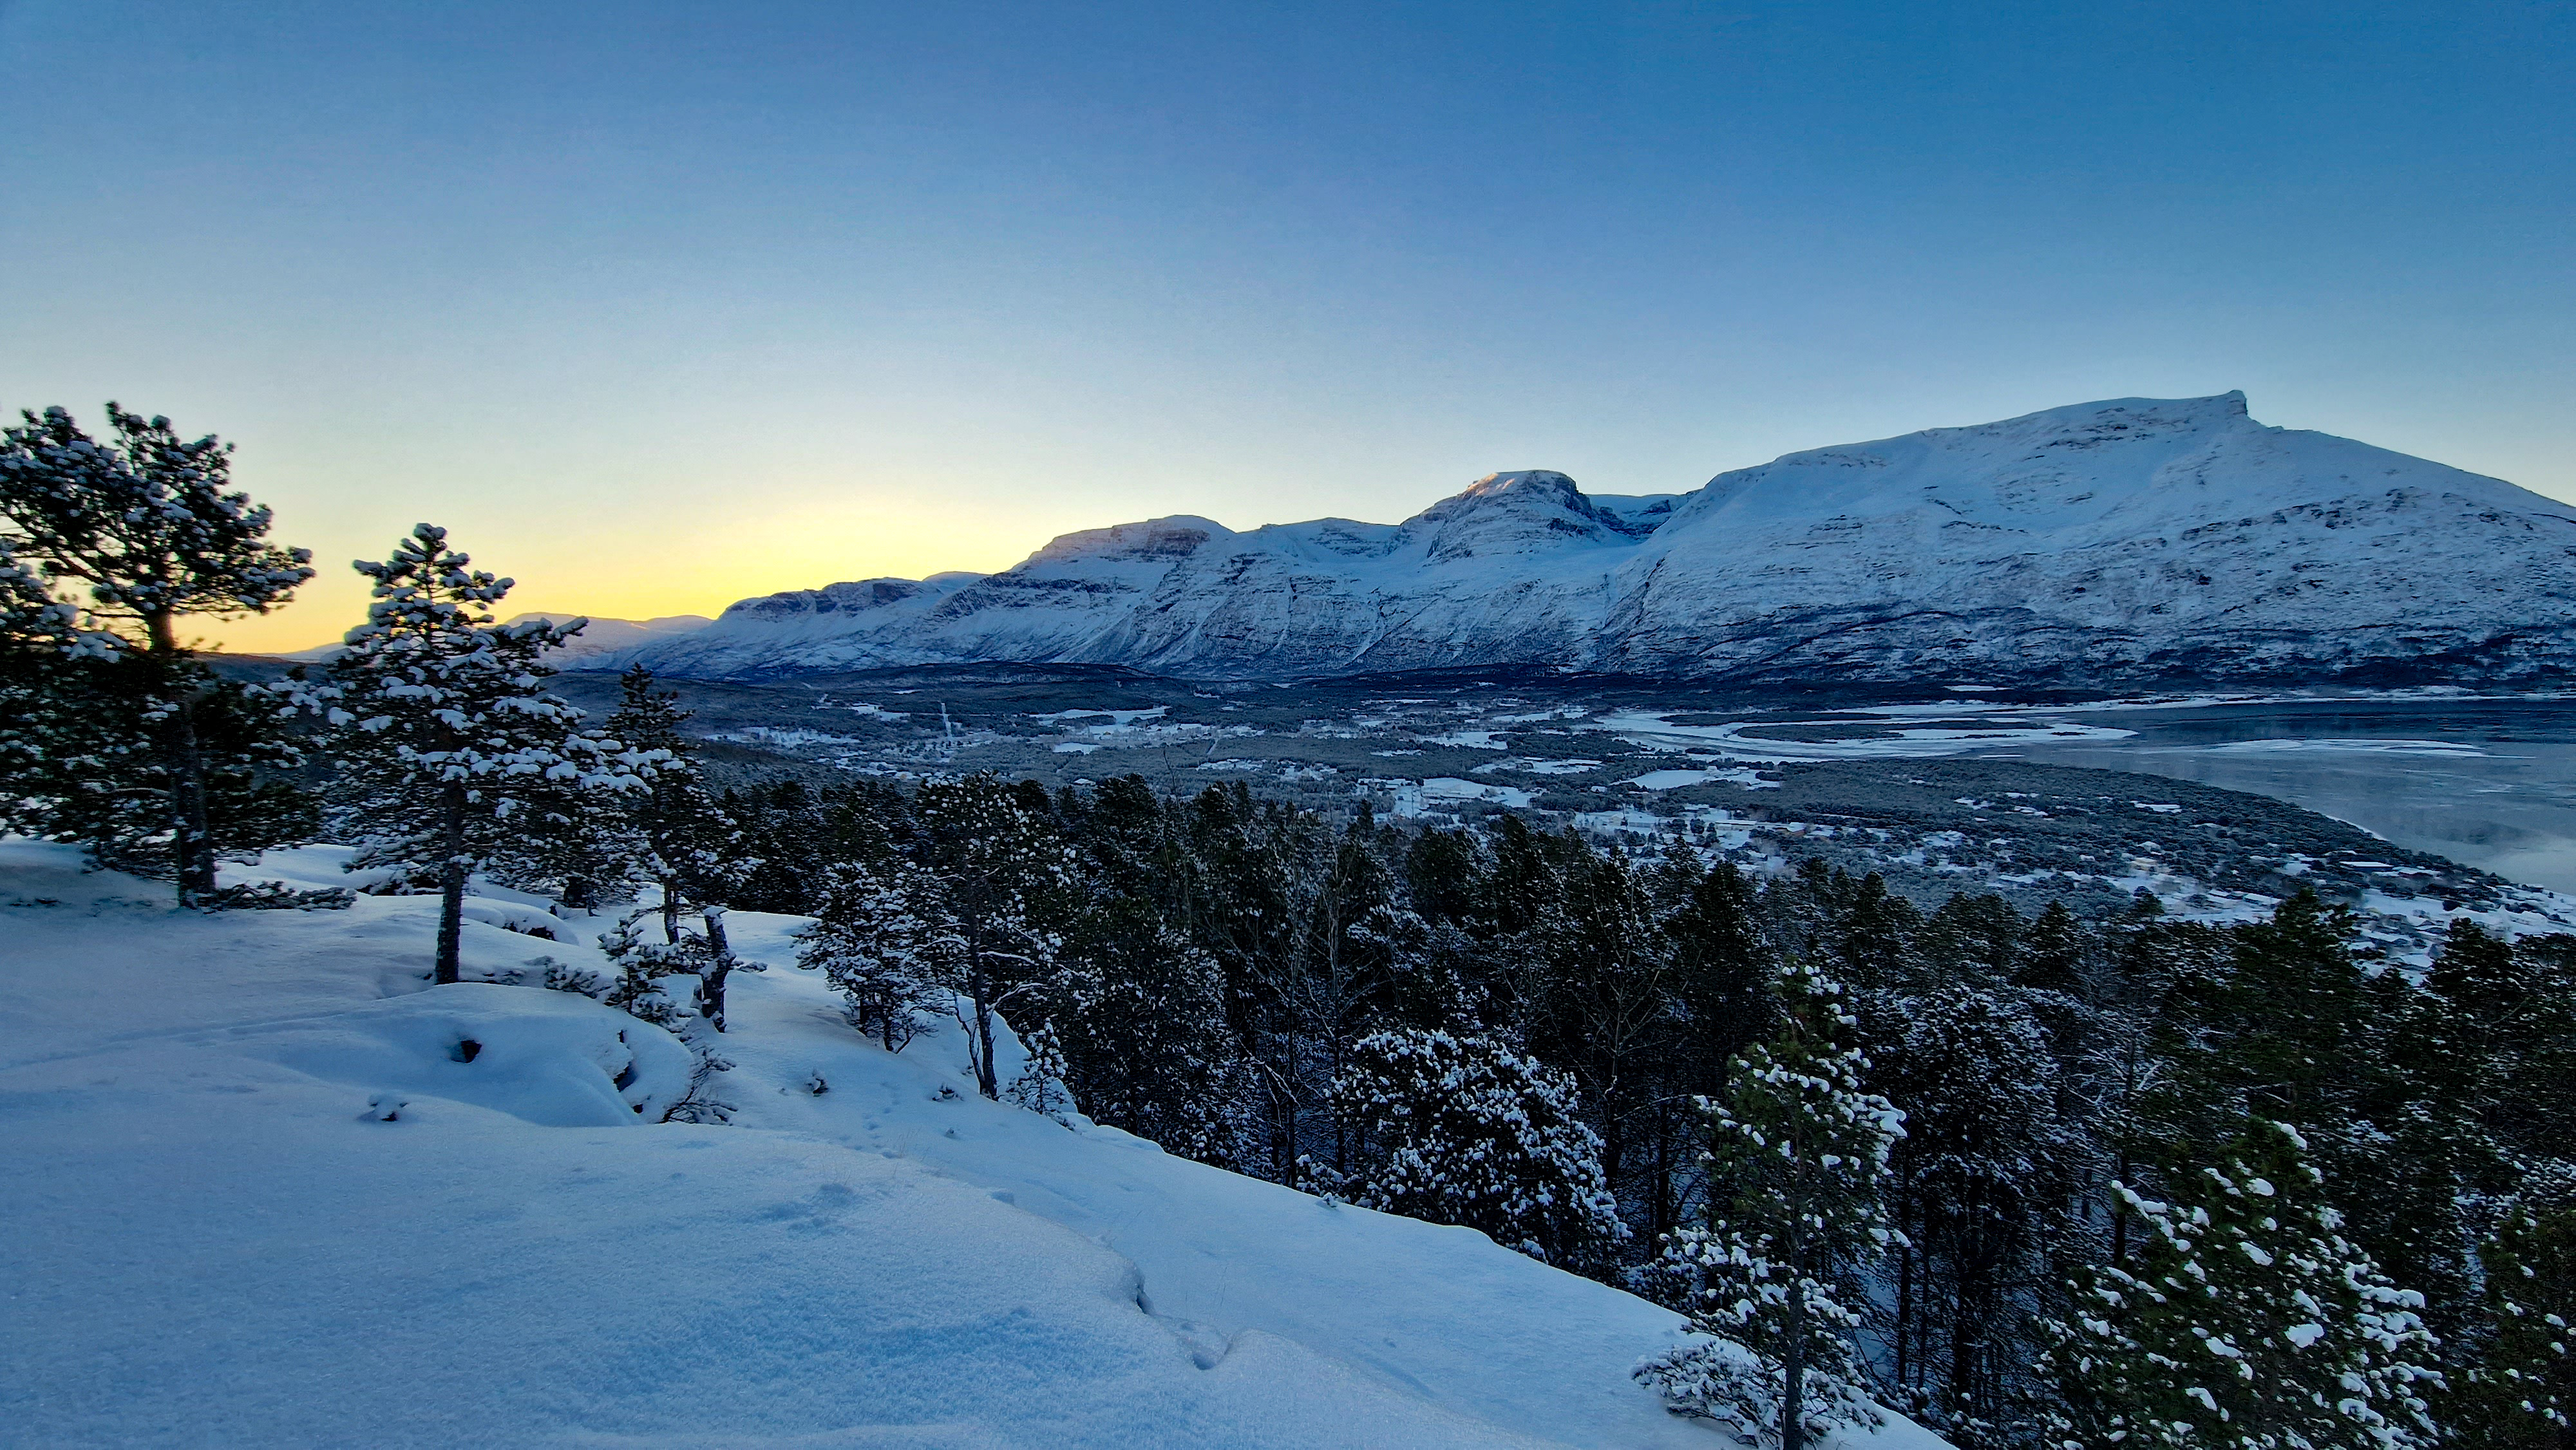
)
(2131, 539)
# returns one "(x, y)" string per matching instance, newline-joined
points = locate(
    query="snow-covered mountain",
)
(616, 636)
(2130, 539)
(599, 636)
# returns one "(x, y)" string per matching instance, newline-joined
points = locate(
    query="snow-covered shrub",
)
(1039, 1084)
(278, 896)
(641, 966)
(1463, 1130)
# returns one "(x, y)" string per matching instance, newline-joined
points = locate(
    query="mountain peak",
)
(1521, 512)
(1526, 481)
(2127, 538)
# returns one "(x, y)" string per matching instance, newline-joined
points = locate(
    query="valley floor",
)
(215, 1240)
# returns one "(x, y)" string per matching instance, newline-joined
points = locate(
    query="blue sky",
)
(660, 305)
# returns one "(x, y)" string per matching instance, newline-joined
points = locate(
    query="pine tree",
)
(1466, 1131)
(1797, 1159)
(2292, 1027)
(2053, 952)
(159, 768)
(1598, 990)
(40, 657)
(886, 943)
(2249, 1323)
(1980, 1182)
(449, 748)
(2519, 1392)
(642, 965)
(684, 841)
(1039, 1086)
(1142, 1022)
(997, 861)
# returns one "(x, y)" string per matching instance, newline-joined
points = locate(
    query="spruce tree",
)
(1463, 1130)
(2248, 1323)
(450, 750)
(1797, 1160)
(160, 768)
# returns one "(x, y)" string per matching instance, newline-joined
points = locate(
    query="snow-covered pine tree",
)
(159, 769)
(642, 964)
(2247, 1322)
(1039, 1086)
(37, 645)
(886, 942)
(1979, 1188)
(582, 853)
(996, 861)
(448, 745)
(1797, 1163)
(685, 843)
(1144, 1030)
(1463, 1130)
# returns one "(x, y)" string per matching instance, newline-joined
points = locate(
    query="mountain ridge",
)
(2122, 540)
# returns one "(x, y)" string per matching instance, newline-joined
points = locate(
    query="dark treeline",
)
(1231, 976)
(2040, 1180)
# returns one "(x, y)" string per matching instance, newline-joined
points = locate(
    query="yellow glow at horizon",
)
(630, 568)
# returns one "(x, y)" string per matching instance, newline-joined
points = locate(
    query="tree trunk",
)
(711, 983)
(191, 847)
(1904, 1288)
(451, 888)
(985, 1081)
(1793, 1378)
(1793, 1358)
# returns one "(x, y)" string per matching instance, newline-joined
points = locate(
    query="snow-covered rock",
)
(2137, 538)
(259, 1193)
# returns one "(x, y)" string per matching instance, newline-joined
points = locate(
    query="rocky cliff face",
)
(2124, 540)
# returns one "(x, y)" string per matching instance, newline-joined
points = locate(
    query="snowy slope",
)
(2126, 539)
(215, 1242)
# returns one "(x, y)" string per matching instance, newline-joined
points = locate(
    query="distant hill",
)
(2124, 540)
(599, 637)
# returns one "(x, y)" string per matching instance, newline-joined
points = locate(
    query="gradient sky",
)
(658, 306)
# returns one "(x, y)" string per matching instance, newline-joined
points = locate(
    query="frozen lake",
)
(2488, 783)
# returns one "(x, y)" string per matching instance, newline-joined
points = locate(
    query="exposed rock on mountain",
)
(2132, 539)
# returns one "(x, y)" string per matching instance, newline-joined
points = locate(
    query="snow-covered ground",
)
(215, 1238)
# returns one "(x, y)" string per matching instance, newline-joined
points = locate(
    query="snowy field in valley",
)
(217, 1240)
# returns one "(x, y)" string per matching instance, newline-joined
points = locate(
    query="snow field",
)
(216, 1241)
